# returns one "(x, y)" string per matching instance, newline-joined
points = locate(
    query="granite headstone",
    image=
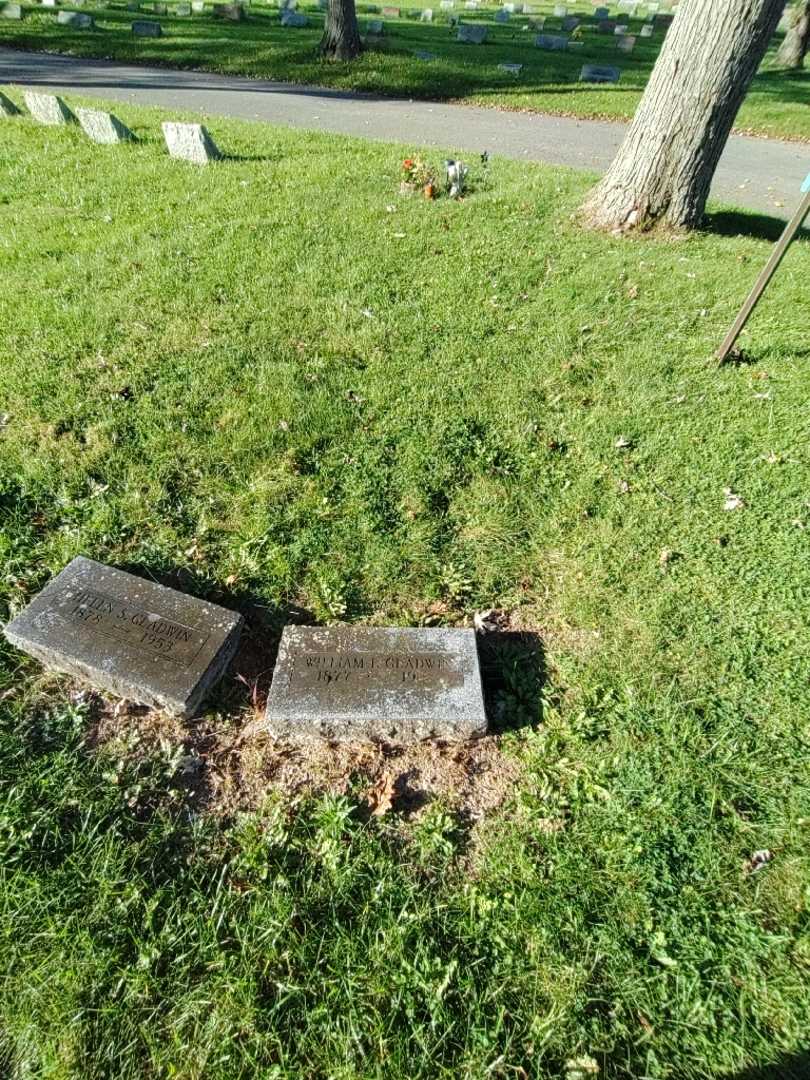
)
(359, 683)
(129, 636)
(190, 142)
(146, 28)
(103, 127)
(48, 108)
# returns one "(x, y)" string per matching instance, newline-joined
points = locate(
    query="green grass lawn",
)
(778, 103)
(285, 387)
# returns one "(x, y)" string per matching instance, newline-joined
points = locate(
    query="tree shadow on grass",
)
(743, 223)
(788, 1067)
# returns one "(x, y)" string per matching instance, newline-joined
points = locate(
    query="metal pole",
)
(769, 270)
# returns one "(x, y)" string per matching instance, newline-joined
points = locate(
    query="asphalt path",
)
(758, 174)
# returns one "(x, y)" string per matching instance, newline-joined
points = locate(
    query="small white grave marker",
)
(190, 142)
(48, 108)
(103, 127)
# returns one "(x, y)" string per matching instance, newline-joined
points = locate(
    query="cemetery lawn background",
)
(278, 384)
(778, 102)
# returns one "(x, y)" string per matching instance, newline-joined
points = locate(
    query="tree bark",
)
(341, 35)
(794, 48)
(664, 167)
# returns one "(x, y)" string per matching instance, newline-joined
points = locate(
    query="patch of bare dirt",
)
(227, 768)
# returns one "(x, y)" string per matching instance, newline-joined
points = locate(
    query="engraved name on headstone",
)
(370, 683)
(129, 636)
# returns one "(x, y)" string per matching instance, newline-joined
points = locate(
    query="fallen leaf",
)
(381, 795)
(623, 443)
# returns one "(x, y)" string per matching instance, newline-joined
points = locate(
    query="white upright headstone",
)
(190, 142)
(103, 127)
(48, 108)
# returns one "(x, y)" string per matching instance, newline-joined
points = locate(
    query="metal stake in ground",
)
(777, 255)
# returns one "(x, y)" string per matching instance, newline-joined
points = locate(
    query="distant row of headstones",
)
(188, 142)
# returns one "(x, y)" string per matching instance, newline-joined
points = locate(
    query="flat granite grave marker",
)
(550, 41)
(570, 22)
(471, 34)
(11, 11)
(375, 27)
(146, 28)
(294, 19)
(626, 43)
(502, 16)
(511, 69)
(160, 9)
(422, 54)
(595, 74)
(351, 683)
(190, 142)
(390, 12)
(602, 12)
(48, 108)
(7, 106)
(103, 127)
(75, 19)
(647, 30)
(129, 636)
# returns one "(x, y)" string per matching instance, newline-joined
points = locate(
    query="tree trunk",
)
(341, 35)
(664, 167)
(793, 49)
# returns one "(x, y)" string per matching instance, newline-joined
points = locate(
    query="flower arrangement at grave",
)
(417, 175)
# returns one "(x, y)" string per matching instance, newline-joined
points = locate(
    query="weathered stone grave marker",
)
(427, 15)
(602, 13)
(596, 74)
(146, 28)
(160, 9)
(76, 20)
(183, 10)
(294, 19)
(103, 127)
(49, 3)
(231, 12)
(390, 12)
(502, 16)
(198, 7)
(570, 22)
(352, 683)
(471, 34)
(190, 142)
(511, 69)
(560, 11)
(375, 28)
(129, 636)
(48, 108)
(11, 11)
(647, 30)
(7, 106)
(606, 26)
(626, 43)
(551, 41)
(423, 54)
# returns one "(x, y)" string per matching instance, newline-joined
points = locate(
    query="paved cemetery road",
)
(759, 174)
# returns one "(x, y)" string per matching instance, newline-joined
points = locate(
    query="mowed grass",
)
(282, 384)
(778, 103)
